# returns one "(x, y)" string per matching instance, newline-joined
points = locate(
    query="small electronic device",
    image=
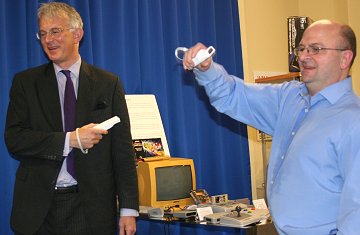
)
(200, 196)
(183, 214)
(190, 207)
(244, 217)
(203, 55)
(215, 217)
(166, 183)
(144, 209)
(200, 57)
(219, 199)
(228, 207)
(156, 212)
(106, 125)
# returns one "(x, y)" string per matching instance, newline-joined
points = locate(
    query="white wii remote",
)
(106, 125)
(202, 55)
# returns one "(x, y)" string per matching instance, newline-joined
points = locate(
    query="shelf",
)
(279, 78)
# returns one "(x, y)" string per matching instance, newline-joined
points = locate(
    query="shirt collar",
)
(335, 91)
(74, 69)
(331, 93)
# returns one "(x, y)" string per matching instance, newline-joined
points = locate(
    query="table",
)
(151, 226)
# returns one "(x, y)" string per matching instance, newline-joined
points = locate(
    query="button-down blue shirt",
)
(313, 183)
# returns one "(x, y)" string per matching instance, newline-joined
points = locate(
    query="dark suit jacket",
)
(34, 135)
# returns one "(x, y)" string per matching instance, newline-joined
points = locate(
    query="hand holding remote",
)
(200, 56)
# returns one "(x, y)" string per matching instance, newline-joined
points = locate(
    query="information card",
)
(147, 129)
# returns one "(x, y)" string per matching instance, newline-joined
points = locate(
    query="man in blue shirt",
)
(313, 180)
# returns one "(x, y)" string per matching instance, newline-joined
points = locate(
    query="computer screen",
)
(169, 189)
(166, 183)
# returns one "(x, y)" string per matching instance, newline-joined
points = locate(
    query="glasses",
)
(314, 50)
(54, 33)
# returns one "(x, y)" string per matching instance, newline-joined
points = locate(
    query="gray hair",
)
(56, 9)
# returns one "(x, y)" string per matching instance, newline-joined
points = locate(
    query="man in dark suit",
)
(50, 197)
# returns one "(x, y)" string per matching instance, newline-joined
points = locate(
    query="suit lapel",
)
(47, 90)
(85, 95)
(48, 93)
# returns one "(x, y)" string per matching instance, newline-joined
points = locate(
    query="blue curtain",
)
(136, 39)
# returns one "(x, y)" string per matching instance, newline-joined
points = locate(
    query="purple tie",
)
(69, 116)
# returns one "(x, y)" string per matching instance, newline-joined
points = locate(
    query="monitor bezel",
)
(147, 183)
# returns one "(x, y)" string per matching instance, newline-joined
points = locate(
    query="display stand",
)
(150, 226)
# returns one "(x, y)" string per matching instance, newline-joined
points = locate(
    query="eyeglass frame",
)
(314, 49)
(51, 33)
